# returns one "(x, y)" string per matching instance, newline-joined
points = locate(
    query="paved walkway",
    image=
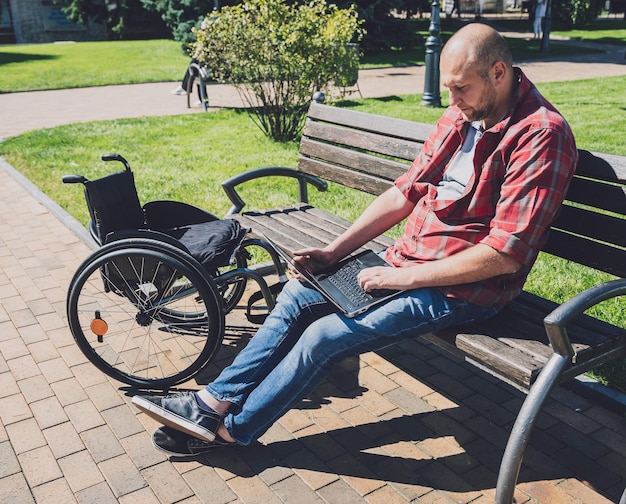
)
(408, 424)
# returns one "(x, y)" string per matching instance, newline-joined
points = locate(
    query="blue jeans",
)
(304, 337)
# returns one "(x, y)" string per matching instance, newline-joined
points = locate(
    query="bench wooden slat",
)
(344, 176)
(312, 151)
(605, 228)
(587, 252)
(363, 141)
(301, 226)
(598, 194)
(601, 166)
(393, 127)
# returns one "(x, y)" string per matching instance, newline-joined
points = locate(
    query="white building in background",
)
(40, 21)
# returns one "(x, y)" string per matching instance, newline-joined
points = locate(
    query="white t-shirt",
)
(461, 167)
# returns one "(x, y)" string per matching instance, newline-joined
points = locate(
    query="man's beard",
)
(485, 106)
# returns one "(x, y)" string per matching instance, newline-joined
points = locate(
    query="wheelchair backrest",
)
(113, 203)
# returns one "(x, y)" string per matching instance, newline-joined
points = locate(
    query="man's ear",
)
(498, 72)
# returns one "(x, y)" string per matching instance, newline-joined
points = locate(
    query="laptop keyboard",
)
(345, 279)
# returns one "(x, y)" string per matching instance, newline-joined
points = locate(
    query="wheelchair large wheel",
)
(145, 313)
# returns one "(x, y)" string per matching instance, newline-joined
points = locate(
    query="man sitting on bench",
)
(479, 199)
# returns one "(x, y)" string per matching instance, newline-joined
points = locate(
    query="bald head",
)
(479, 47)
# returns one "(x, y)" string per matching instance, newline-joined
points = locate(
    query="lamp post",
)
(431, 96)
(545, 38)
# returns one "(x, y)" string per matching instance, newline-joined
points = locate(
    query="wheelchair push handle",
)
(79, 179)
(116, 157)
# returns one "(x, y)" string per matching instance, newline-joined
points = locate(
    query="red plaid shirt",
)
(522, 168)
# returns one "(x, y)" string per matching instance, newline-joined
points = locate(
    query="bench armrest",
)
(556, 322)
(270, 171)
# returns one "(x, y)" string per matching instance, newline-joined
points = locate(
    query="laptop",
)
(339, 284)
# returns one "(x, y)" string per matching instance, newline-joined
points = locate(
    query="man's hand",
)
(314, 259)
(383, 277)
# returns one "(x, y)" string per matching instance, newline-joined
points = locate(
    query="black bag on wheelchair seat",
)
(213, 244)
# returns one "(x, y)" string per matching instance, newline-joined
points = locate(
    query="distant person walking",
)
(540, 12)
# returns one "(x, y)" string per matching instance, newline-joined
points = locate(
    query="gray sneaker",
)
(181, 412)
(179, 444)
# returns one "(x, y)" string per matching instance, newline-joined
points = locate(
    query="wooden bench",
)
(532, 344)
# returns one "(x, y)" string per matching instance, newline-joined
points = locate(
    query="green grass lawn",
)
(186, 157)
(59, 66)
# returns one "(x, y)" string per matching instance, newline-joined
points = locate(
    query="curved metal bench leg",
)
(520, 434)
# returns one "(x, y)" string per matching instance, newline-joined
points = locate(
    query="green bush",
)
(278, 56)
(576, 12)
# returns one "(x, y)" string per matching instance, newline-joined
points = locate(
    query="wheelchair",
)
(148, 307)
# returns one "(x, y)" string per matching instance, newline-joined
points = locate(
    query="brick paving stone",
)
(340, 491)
(583, 443)
(15, 488)
(13, 348)
(104, 396)
(43, 350)
(293, 489)
(54, 491)
(25, 435)
(102, 444)
(39, 466)
(10, 465)
(581, 492)
(167, 484)
(69, 391)
(143, 496)
(442, 424)
(208, 486)
(80, 471)
(88, 375)
(48, 412)
(13, 409)
(35, 388)
(587, 468)
(252, 490)
(122, 421)
(386, 495)
(23, 367)
(8, 385)
(373, 379)
(84, 415)
(313, 471)
(7, 329)
(96, 494)
(568, 416)
(122, 475)
(408, 402)
(55, 370)
(264, 462)
(376, 403)
(546, 491)
(354, 472)
(63, 440)
(139, 448)
(608, 419)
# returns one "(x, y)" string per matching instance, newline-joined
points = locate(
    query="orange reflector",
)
(99, 327)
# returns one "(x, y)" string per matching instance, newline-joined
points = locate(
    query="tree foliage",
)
(278, 56)
(576, 12)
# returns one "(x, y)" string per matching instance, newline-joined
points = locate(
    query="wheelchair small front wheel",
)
(147, 317)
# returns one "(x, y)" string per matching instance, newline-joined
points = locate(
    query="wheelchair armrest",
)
(161, 215)
(556, 322)
(270, 171)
